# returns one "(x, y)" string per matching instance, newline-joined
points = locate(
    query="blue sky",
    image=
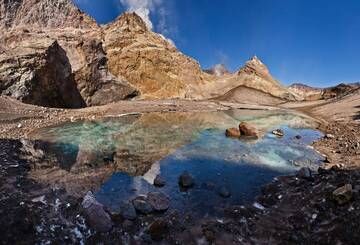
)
(312, 41)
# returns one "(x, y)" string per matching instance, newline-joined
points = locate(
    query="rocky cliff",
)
(149, 61)
(42, 21)
(121, 60)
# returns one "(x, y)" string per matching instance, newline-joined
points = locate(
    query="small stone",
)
(298, 137)
(142, 205)
(329, 136)
(304, 173)
(343, 194)
(19, 125)
(278, 132)
(159, 181)
(127, 211)
(159, 201)
(232, 132)
(224, 192)
(95, 214)
(186, 180)
(158, 229)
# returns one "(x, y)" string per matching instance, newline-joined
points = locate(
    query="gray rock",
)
(95, 214)
(186, 180)
(128, 211)
(304, 173)
(159, 201)
(159, 181)
(142, 205)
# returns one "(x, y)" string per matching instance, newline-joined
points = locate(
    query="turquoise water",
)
(139, 147)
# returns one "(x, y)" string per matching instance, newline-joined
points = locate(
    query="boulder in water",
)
(232, 132)
(248, 130)
(159, 181)
(159, 201)
(142, 205)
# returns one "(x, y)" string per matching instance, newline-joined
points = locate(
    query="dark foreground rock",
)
(159, 201)
(95, 214)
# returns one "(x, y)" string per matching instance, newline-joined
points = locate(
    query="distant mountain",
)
(306, 92)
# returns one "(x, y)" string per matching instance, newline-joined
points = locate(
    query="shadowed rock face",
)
(50, 84)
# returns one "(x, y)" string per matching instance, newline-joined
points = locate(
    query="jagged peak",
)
(130, 21)
(256, 66)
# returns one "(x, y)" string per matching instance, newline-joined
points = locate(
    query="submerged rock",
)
(159, 201)
(127, 211)
(95, 214)
(159, 181)
(186, 180)
(142, 205)
(248, 130)
(224, 192)
(232, 132)
(343, 194)
(298, 137)
(278, 132)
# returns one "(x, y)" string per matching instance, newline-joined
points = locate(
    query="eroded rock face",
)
(41, 76)
(25, 22)
(150, 62)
